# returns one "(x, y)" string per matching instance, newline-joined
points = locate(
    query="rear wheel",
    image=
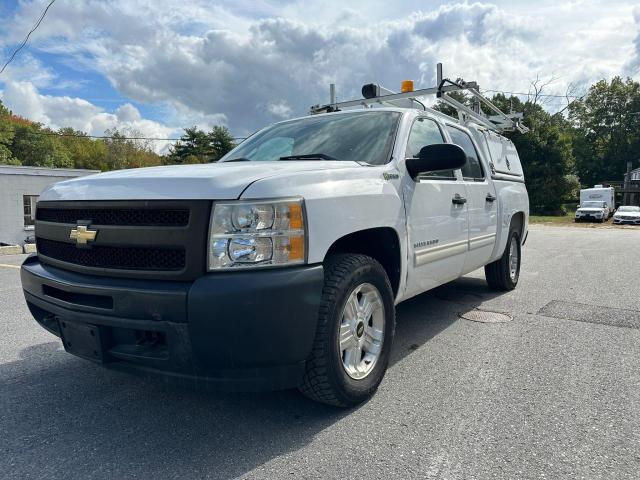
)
(503, 274)
(355, 332)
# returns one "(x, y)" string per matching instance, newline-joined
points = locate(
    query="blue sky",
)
(156, 66)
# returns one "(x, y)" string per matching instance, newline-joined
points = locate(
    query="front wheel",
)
(355, 332)
(503, 274)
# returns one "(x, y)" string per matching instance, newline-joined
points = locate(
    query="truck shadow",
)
(421, 318)
(63, 417)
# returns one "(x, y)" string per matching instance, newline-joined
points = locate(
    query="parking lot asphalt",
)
(555, 393)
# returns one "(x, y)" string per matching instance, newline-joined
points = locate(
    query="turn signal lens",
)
(295, 216)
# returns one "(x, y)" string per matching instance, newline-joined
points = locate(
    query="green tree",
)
(607, 130)
(123, 152)
(193, 143)
(447, 109)
(221, 142)
(546, 152)
(39, 147)
(6, 137)
(203, 146)
(84, 151)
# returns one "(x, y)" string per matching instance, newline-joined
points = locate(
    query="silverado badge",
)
(82, 235)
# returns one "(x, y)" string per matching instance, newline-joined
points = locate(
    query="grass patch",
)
(568, 220)
(554, 219)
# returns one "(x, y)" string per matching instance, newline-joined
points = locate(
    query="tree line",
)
(23, 142)
(590, 141)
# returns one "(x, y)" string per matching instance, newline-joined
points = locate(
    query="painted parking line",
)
(6, 265)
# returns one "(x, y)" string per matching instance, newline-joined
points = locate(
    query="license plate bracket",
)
(82, 339)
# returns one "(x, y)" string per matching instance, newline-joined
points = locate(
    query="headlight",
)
(253, 234)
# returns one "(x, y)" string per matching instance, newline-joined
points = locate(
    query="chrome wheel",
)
(514, 259)
(361, 331)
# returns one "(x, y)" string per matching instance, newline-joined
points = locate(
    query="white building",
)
(19, 191)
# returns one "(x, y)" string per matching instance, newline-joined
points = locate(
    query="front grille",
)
(151, 239)
(122, 258)
(116, 216)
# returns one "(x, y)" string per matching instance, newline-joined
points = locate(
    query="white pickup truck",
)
(281, 265)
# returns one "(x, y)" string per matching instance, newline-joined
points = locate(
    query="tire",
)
(350, 277)
(498, 274)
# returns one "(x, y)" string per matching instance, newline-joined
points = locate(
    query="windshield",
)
(361, 136)
(592, 205)
(629, 209)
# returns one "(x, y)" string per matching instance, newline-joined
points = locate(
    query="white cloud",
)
(634, 64)
(245, 64)
(479, 23)
(127, 113)
(61, 111)
(27, 68)
(279, 109)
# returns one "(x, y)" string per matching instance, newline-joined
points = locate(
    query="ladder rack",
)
(498, 121)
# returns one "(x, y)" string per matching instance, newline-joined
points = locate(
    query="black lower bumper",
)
(589, 218)
(234, 331)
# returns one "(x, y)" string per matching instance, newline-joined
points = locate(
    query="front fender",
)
(340, 202)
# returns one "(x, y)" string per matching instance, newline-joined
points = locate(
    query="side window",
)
(426, 132)
(472, 170)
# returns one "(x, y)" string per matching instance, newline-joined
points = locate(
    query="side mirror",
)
(441, 156)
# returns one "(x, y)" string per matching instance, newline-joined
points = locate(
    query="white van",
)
(598, 193)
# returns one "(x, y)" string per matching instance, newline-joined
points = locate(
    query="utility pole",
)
(627, 185)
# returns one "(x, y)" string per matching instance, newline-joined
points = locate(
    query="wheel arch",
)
(517, 223)
(380, 243)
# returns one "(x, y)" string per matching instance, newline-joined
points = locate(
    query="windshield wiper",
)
(309, 156)
(241, 159)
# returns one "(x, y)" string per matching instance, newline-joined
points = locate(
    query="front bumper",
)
(627, 221)
(588, 217)
(233, 331)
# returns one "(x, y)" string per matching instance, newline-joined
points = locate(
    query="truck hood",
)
(215, 181)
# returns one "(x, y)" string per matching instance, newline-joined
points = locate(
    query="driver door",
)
(437, 222)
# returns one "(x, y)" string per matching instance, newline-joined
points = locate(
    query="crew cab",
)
(592, 211)
(281, 265)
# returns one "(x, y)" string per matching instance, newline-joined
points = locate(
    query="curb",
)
(10, 250)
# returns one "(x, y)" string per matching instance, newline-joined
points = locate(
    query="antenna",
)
(375, 95)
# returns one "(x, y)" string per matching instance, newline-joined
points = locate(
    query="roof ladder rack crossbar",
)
(499, 122)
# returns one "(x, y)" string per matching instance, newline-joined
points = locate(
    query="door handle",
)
(459, 199)
(490, 197)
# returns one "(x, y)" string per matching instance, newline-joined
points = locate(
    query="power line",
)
(532, 94)
(24, 42)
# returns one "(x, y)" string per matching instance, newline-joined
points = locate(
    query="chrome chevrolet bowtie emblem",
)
(82, 235)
